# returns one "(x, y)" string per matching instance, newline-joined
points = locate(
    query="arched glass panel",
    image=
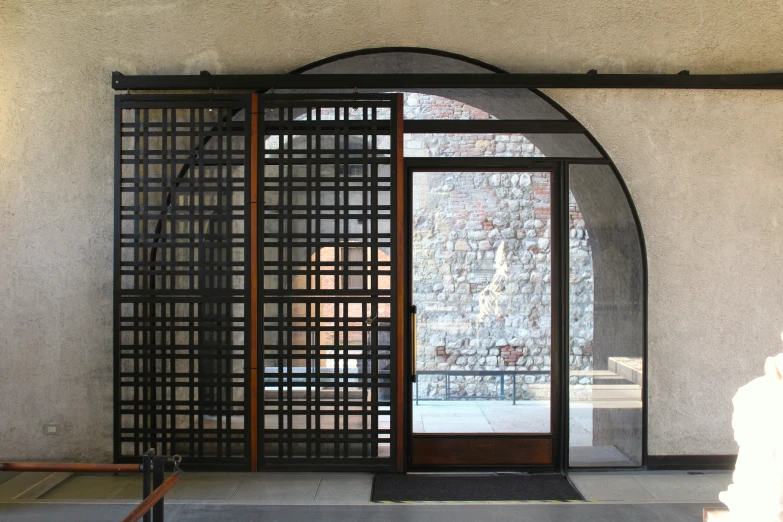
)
(606, 322)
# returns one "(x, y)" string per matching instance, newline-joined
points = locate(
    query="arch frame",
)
(564, 163)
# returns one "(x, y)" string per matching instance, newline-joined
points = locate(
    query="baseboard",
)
(664, 462)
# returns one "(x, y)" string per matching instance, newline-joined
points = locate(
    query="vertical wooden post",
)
(400, 407)
(253, 402)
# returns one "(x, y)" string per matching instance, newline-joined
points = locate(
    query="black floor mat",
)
(399, 487)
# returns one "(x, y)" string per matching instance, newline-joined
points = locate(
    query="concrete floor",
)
(391, 513)
(652, 486)
(615, 496)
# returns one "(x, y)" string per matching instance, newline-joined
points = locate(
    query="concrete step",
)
(629, 368)
(591, 392)
(600, 376)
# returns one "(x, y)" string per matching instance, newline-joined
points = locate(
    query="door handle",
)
(414, 344)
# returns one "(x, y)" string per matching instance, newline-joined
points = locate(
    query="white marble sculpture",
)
(757, 492)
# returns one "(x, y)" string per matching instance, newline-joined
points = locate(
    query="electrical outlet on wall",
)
(52, 429)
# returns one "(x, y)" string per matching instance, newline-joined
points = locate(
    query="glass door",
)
(481, 295)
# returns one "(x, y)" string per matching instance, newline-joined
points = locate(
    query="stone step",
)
(595, 374)
(601, 376)
(591, 392)
(629, 368)
(618, 392)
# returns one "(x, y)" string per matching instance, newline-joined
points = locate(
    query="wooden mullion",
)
(399, 288)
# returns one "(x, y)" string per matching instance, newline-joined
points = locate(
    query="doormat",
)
(451, 487)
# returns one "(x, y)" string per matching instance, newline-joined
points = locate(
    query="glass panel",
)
(606, 322)
(420, 106)
(478, 104)
(447, 104)
(498, 145)
(481, 283)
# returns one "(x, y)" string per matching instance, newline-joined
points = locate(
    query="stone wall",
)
(482, 264)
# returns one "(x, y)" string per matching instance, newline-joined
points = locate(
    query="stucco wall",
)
(704, 169)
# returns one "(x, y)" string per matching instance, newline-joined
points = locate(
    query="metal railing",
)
(154, 487)
(477, 373)
(152, 468)
(151, 506)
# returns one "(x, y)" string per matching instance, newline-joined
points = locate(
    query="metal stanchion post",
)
(146, 479)
(158, 467)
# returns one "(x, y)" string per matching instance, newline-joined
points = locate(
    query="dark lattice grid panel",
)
(181, 257)
(325, 277)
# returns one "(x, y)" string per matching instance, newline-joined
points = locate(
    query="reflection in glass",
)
(498, 145)
(606, 322)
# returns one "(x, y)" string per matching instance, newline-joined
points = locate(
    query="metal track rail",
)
(263, 82)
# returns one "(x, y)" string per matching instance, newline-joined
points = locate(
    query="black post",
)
(158, 467)
(560, 336)
(146, 480)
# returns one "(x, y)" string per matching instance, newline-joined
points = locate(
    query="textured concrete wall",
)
(704, 169)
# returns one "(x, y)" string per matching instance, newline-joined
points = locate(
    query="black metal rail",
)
(154, 488)
(478, 373)
(263, 82)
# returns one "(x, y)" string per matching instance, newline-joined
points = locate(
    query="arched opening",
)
(607, 263)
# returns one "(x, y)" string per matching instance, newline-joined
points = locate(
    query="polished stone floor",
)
(680, 512)
(652, 486)
(613, 496)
